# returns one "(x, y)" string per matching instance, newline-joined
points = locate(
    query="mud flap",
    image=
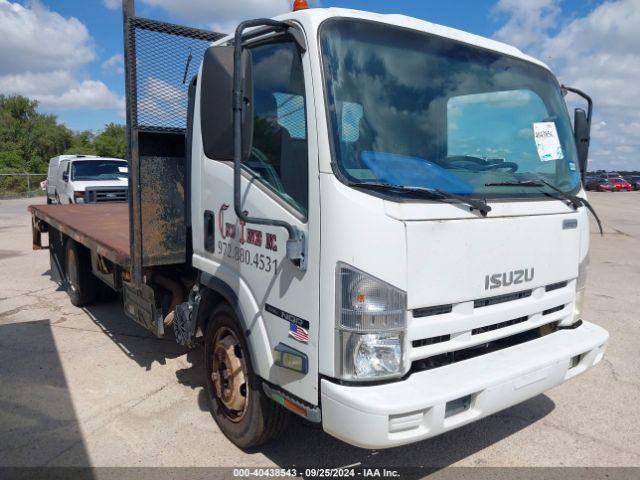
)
(140, 306)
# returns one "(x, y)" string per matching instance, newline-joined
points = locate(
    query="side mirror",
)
(582, 135)
(581, 128)
(65, 176)
(216, 103)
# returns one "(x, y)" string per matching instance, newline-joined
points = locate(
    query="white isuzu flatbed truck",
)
(371, 221)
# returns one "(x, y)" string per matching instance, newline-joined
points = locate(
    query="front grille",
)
(431, 311)
(509, 297)
(430, 341)
(553, 310)
(106, 195)
(497, 326)
(455, 356)
(555, 286)
(468, 326)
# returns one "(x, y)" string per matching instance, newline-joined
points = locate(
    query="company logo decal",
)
(506, 279)
(243, 234)
(289, 317)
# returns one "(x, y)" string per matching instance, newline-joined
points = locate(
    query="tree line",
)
(28, 138)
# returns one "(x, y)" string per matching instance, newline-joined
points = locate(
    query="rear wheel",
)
(237, 402)
(82, 286)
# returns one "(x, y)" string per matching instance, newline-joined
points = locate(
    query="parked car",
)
(87, 179)
(621, 184)
(598, 185)
(610, 175)
(635, 182)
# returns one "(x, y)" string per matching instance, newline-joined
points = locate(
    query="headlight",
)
(581, 284)
(78, 197)
(370, 326)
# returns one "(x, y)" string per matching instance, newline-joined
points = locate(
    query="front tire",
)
(82, 286)
(236, 400)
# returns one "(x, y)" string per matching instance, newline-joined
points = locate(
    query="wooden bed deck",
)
(103, 226)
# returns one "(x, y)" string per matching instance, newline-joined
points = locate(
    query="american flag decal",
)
(299, 333)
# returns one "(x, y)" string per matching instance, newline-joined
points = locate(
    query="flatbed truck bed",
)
(103, 228)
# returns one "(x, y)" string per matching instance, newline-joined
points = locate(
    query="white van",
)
(87, 179)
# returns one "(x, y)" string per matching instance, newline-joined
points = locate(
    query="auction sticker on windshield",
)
(547, 141)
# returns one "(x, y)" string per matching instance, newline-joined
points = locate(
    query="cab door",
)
(280, 181)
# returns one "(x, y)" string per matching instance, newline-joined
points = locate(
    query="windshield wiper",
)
(521, 183)
(431, 194)
(576, 202)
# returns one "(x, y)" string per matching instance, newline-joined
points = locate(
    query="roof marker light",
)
(300, 5)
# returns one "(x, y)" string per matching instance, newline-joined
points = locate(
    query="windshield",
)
(99, 170)
(413, 109)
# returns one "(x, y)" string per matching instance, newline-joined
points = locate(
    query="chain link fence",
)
(19, 185)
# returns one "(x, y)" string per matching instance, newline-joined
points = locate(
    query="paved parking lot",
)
(88, 387)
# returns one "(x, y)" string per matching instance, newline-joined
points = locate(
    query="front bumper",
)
(402, 412)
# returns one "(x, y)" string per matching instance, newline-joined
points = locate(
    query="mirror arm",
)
(296, 245)
(582, 138)
(297, 34)
(586, 97)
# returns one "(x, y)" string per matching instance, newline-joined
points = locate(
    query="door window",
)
(279, 155)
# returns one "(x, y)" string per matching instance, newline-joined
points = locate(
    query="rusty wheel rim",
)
(229, 375)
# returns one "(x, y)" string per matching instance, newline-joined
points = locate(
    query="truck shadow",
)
(423, 457)
(38, 421)
(133, 340)
(304, 445)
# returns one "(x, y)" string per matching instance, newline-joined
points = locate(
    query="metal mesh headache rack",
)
(161, 60)
(166, 57)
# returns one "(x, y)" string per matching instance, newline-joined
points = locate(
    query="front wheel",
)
(236, 399)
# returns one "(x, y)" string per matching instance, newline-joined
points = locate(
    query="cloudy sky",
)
(67, 54)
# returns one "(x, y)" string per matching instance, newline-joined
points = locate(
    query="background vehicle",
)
(620, 184)
(635, 182)
(86, 179)
(598, 184)
(301, 221)
(610, 175)
(51, 182)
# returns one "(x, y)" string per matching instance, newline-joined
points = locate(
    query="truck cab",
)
(425, 172)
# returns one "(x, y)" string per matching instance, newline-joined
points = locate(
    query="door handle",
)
(209, 232)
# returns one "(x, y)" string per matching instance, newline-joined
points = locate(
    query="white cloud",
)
(60, 90)
(221, 15)
(160, 102)
(114, 63)
(43, 55)
(37, 39)
(526, 20)
(598, 53)
(112, 4)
